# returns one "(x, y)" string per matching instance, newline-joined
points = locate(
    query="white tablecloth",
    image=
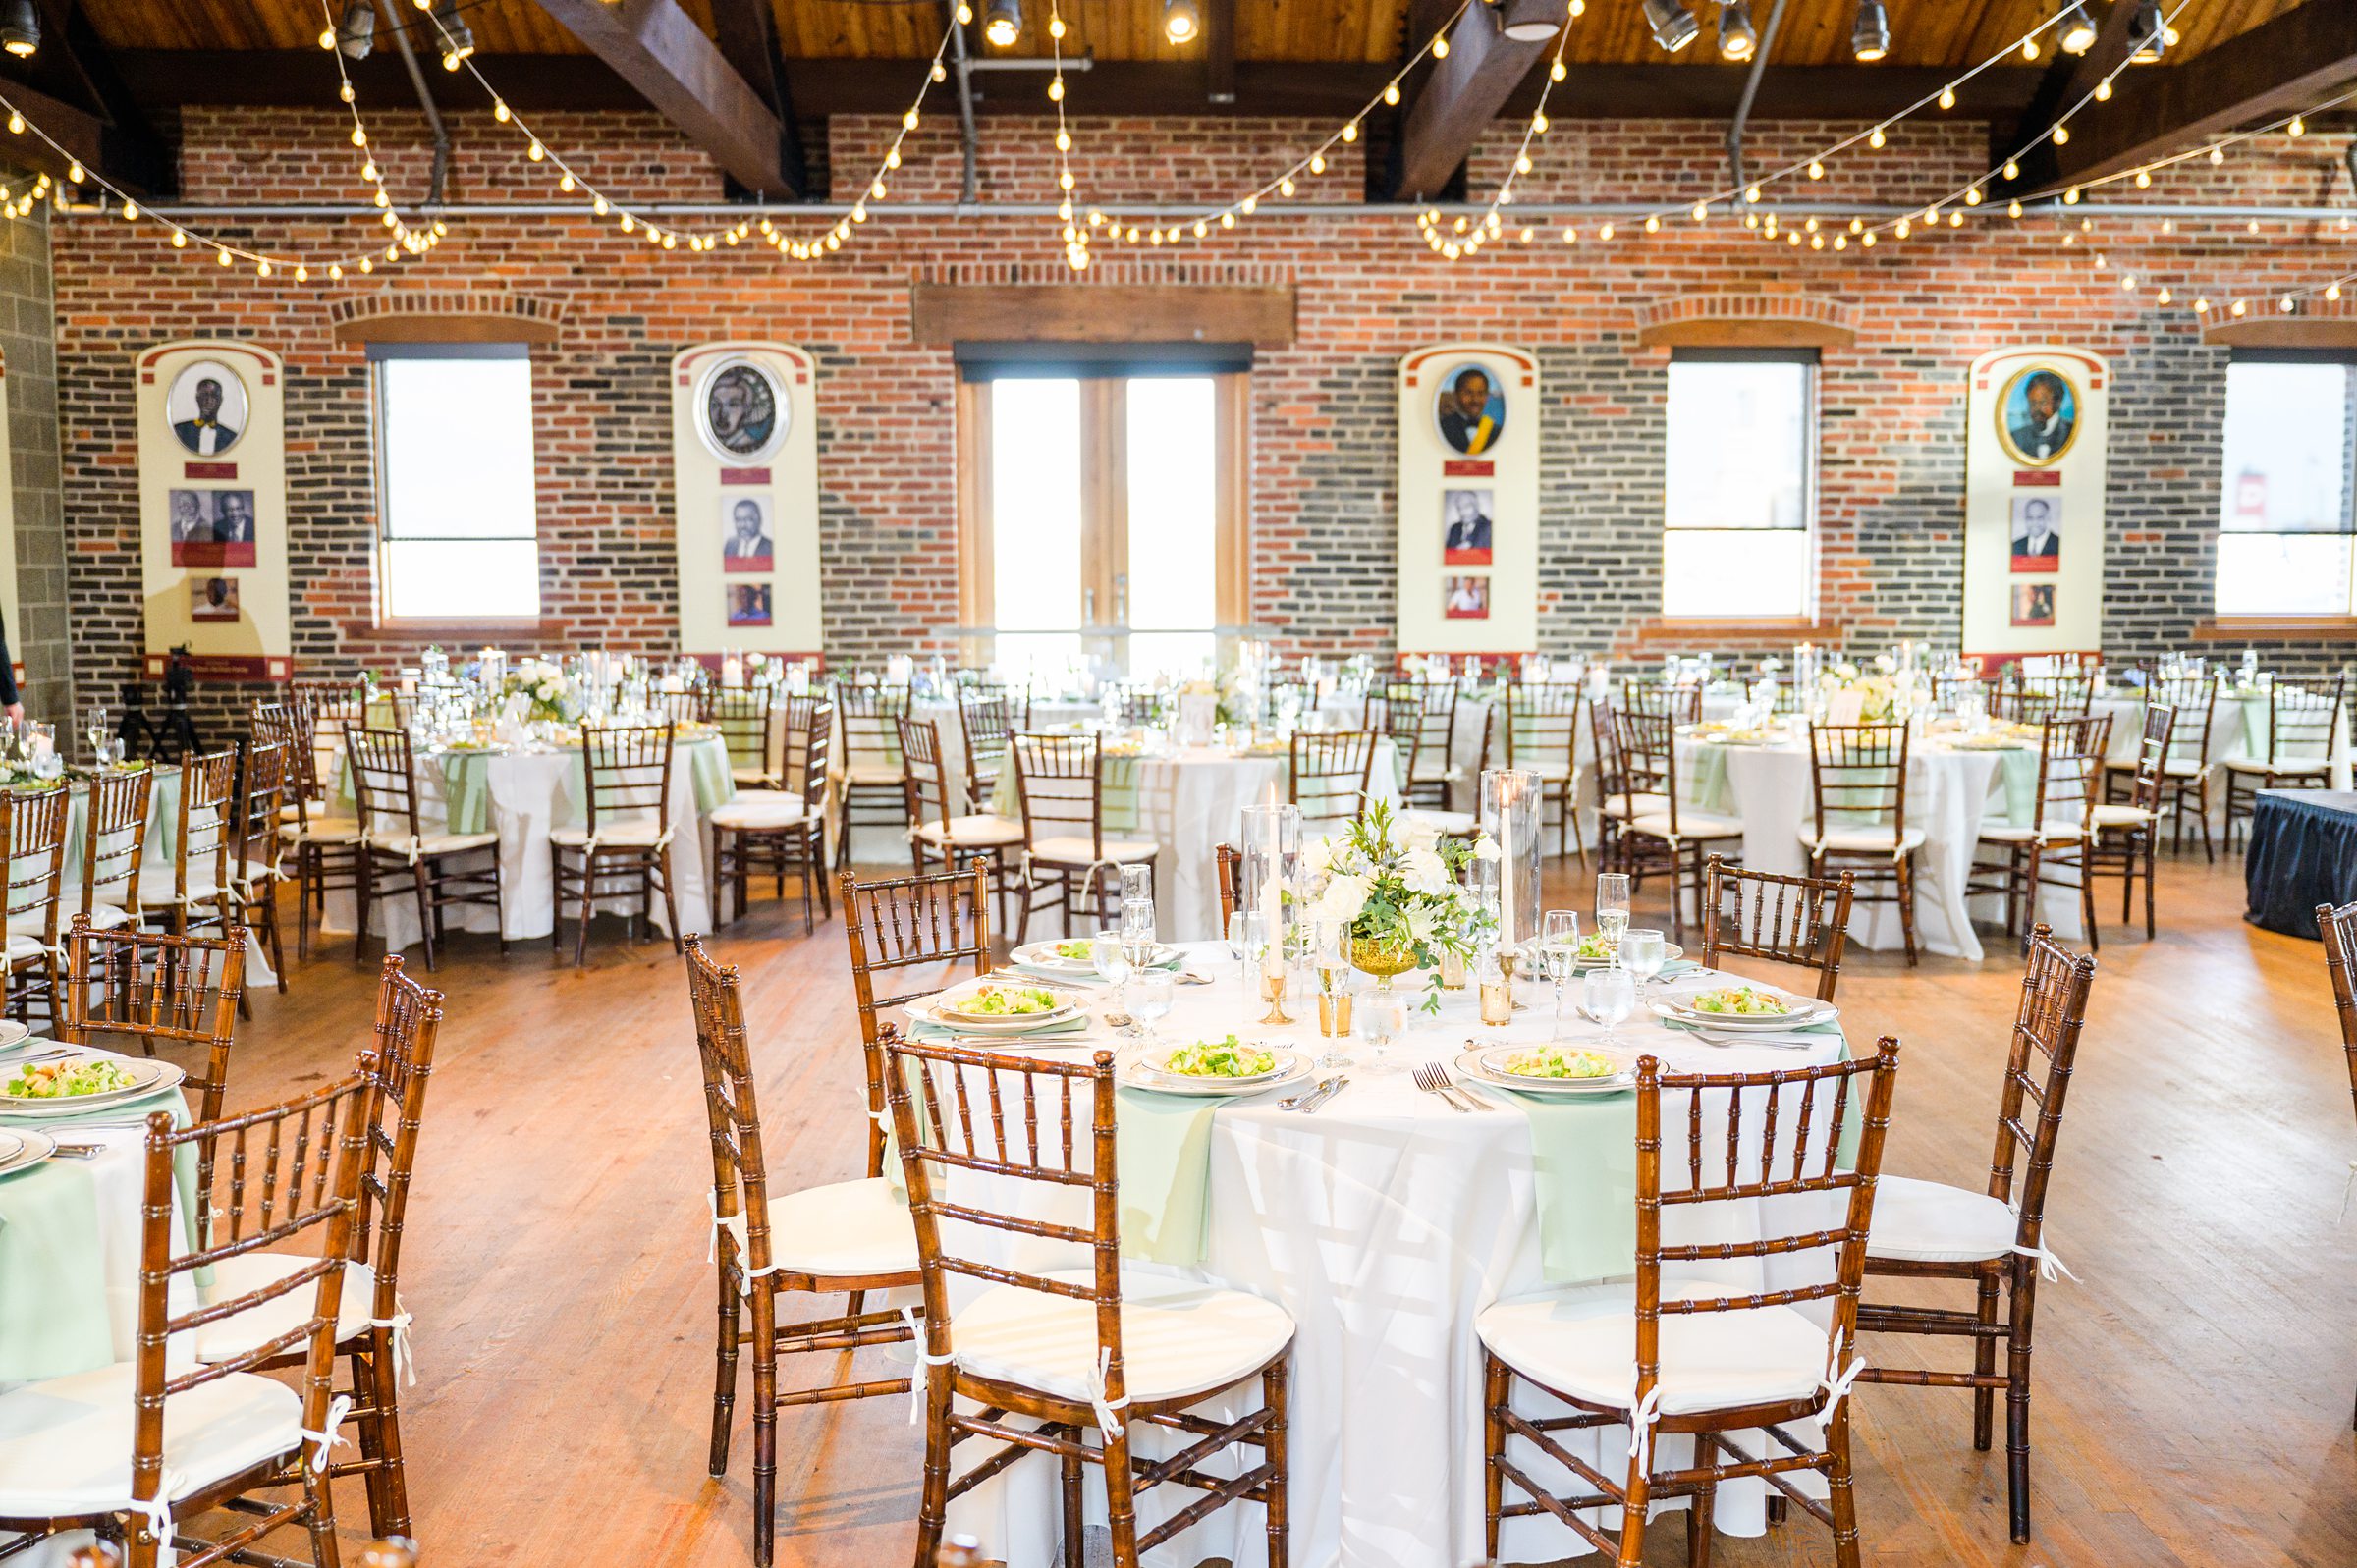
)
(533, 793)
(1384, 1225)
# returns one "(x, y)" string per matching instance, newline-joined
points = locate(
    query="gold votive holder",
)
(1271, 992)
(1453, 969)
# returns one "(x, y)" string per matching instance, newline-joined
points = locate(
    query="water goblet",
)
(1607, 996)
(1111, 956)
(1151, 994)
(1558, 945)
(1642, 954)
(1382, 1019)
(1611, 911)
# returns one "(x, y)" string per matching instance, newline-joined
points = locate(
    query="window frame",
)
(1811, 360)
(2285, 623)
(381, 354)
(1104, 500)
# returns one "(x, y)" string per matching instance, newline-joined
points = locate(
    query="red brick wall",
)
(1322, 458)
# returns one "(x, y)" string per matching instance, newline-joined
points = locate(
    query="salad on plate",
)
(1220, 1058)
(1740, 1002)
(1006, 1002)
(1554, 1061)
(68, 1080)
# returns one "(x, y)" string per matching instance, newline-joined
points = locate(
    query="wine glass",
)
(1558, 944)
(1643, 952)
(1607, 996)
(1334, 1001)
(94, 727)
(1235, 934)
(1111, 956)
(1611, 911)
(1151, 994)
(1382, 1019)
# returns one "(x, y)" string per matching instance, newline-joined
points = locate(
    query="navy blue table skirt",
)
(2303, 853)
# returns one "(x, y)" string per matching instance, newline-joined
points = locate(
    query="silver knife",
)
(1317, 1101)
(1296, 1102)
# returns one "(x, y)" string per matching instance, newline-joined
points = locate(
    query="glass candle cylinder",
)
(1509, 814)
(1271, 853)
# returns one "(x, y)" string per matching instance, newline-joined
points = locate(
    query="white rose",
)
(1885, 664)
(1426, 872)
(1486, 848)
(1343, 899)
(1316, 856)
(1847, 672)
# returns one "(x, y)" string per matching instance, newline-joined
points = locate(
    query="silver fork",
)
(1433, 1081)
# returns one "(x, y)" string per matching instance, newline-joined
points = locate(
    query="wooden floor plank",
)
(2193, 1391)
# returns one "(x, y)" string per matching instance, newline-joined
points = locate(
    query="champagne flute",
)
(1643, 952)
(1558, 944)
(94, 727)
(1111, 956)
(1334, 993)
(1607, 996)
(1612, 911)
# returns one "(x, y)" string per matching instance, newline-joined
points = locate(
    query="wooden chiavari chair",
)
(2125, 835)
(1994, 1242)
(2339, 928)
(1542, 737)
(1136, 702)
(744, 717)
(2070, 764)
(396, 848)
(1951, 694)
(1228, 869)
(1089, 1347)
(1060, 780)
(784, 830)
(206, 829)
(2303, 731)
(1679, 703)
(2028, 699)
(191, 1437)
(937, 923)
(127, 988)
(1656, 834)
(675, 708)
(1330, 777)
(1768, 915)
(33, 870)
(1858, 775)
(1669, 1356)
(626, 843)
(1421, 717)
(934, 832)
(254, 868)
(2185, 774)
(987, 720)
(849, 1238)
(114, 844)
(372, 1326)
(873, 795)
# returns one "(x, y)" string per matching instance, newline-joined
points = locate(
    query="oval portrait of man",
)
(207, 406)
(742, 411)
(2038, 416)
(1471, 408)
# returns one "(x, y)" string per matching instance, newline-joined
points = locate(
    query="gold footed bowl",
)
(1382, 957)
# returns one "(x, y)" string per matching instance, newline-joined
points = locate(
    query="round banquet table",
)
(1190, 800)
(521, 795)
(873, 843)
(1385, 1224)
(1951, 792)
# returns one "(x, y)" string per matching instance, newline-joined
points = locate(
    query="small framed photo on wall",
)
(2033, 604)
(1466, 598)
(2037, 533)
(212, 598)
(749, 604)
(1465, 526)
(746, 543)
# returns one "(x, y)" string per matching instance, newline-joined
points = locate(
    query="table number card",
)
(213, 508)
(1468, 500)
(2033, 455)
(745, 455)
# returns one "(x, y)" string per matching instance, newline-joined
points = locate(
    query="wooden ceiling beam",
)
(2065, 83)
(1464, 93)
(658, 49)
(2276, 68)
(73, 78)
(1219, 51)
(746, 32)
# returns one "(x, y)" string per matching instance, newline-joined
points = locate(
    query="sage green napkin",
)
(1583, 1163)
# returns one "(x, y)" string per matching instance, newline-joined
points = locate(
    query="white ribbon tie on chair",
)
(1108, 1422)
(157, 1511)
(921, 1379)
(746, 1278)
(337, 1409)
(1642, 1414)
(404, 1365)
(2050, 1267)
(1838, 1379)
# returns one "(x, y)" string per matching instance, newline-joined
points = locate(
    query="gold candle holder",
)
(1498, 1000)
(1453, 969)
(1271, 992)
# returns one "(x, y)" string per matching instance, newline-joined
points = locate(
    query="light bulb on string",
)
(1874, 137)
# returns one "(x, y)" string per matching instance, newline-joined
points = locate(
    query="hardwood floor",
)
(2193, 1388)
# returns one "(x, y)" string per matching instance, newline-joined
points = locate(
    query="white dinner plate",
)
(949, 1006)
(1672, 952)
(1043, 955)
(1807, 1012)
(1488, 1064)
(925, 1012)
(13, 1036)
(1159, 1062)
(24, 1149)
(148, 1078)
(1292, 1068)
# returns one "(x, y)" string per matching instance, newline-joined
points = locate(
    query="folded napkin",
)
(1583, 1152)
(943, 1031)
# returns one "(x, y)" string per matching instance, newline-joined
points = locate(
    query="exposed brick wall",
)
(38, 639)
(1323, 459)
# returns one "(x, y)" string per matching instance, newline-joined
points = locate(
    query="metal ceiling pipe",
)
(1751, 89)
(426, 100)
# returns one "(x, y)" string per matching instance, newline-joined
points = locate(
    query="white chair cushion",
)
(637, 834)
(1435, 773)
(1875, 840)
(845, 1230)
(1645, 804)
(2281, 768)
(2121, 816)
(322, 829)
(1553, 770)
(973, 831)
(1929, 1221)
(1691, 825)
(22, 946)
(1583, 1342)
(1073, 849)
(749, 776)
(249, 1272)
(1441, 822)
(65, 1442)
(760, 808)
(1178, 1338)
(874, 775)
(248, 872)
(103, 917)
(2180, 768)
(157, 893)
(2055, 830)
(395, 842)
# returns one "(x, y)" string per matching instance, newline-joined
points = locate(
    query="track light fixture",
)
(1870, 34)
(2150, 29)
(457, 38)
(1738, 38)
(1181, 21)
(1527, 20)
(1002, 22)
(20, 29)
(1673, 25)
(2076, 32)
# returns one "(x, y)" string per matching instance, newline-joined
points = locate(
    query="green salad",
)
(1223, 1059)
(1078, 952)
(1741, 1001)
(1554, 1061)
(68, 1080)
(1008, 1002)
(1593, 946)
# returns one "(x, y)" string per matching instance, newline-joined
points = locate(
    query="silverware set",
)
(1434, 1079)
(1308, 1102)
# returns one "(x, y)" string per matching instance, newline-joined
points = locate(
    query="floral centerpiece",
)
(1397, 890)
(1877, 694)
(549, 696)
